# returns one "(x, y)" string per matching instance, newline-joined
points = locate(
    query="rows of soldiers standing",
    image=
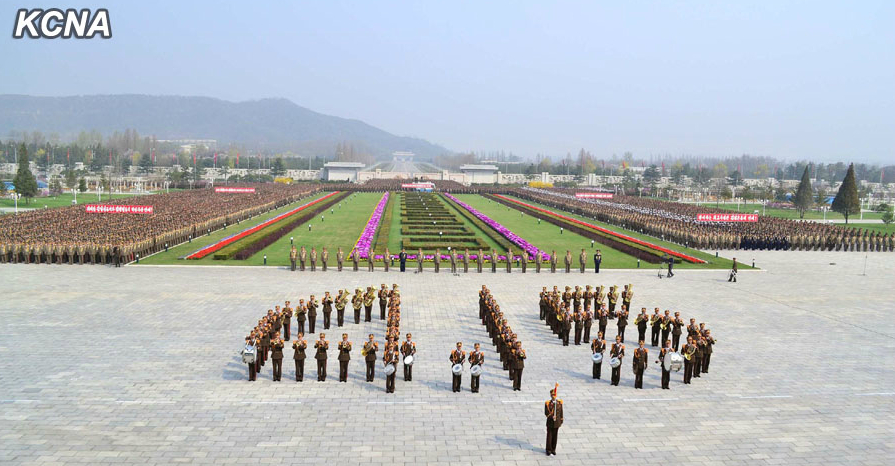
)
(581, 307)
(508, 345)
(267, 340)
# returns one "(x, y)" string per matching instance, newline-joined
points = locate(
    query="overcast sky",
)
(811, 79)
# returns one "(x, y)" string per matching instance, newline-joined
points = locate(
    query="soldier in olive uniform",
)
(276, 355)
(518, 363)
(639, 361)
(340, 257)
(322, 346)
(554, 414)
(370, 348)
(302, 257)
(299, 345)
(480, 260)
(383, 301)
(476, 358)
(341, 302)
(293, 257)
(567, 261)
(312, 313)
(437, 260)
(617, 351)
(582, 260)
(419, 260)
(313, 259)
(324, 258)
(458, 356)
(344, 357)
(327, 309)
(408, 348)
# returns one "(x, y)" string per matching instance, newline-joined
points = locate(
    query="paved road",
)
(405, 167)
(139, 366)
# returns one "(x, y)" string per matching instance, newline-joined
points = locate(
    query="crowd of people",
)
(582, 307)
(73, 235)
(676, 222)
(267, 340)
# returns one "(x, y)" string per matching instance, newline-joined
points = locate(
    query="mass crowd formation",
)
(676, 222)
(73, 235)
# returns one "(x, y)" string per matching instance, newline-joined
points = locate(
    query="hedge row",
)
(450, 223)
(632, 249)
(434, 230)
(245, 248)
(411, 246)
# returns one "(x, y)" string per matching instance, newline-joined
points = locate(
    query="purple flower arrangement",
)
(530, 250)
(365, 242)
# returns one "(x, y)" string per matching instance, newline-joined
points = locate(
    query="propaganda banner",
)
(117, 209)
(593, 195)
(233, 189)
(418, 185)
(727, 217)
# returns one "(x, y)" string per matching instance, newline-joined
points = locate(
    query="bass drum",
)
(597, 358)
(456, 369)
(673, 362)
(248, 354)
(615, 362)
(389, 369)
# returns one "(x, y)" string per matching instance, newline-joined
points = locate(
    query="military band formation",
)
(580, 308)
(268, 339)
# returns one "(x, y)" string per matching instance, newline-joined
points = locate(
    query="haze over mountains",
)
(277, 124)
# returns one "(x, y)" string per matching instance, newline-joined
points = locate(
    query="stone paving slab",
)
(139, 366)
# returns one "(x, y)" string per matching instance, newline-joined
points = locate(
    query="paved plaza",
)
(140, 365)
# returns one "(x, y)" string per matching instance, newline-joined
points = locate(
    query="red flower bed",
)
(230, 239)
(609, 232)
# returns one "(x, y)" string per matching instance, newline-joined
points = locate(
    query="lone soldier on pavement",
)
(293, 255)
(340, 256)
(553, 411)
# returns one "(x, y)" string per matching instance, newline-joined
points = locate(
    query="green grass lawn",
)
(338, 229)
(173, 254)
(880, 227)
(712, 261)
(791, 213)
(62, 200)
(546, 236)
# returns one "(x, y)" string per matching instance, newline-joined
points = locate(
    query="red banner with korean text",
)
(117, 209)
(593, 195)
(233, 189)
(727, 217)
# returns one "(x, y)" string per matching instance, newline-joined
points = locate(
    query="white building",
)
(341, 171)
(480, 173)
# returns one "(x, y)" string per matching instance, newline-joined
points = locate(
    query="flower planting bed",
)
(640, 249)
(214, 247)
(365, 242)
(424, 216)
(530, 250)
(262, 240)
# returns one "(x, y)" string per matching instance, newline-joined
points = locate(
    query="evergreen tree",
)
(82, 185)
(278, 169)
(846, 201)
(25, 183)
(804, 198)
(145, 163)
(55, 187)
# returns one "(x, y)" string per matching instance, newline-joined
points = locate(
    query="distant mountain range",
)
(274, 123)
